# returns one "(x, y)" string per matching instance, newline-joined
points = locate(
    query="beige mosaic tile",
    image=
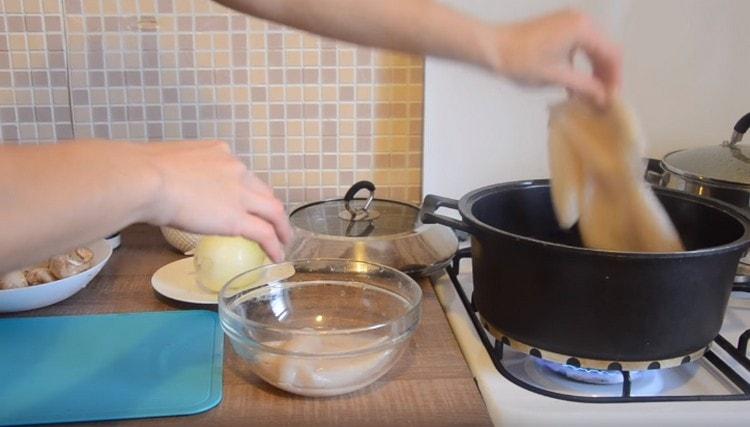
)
(309, 115)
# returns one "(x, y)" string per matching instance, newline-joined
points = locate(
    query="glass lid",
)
(726, 164)
(357, 217)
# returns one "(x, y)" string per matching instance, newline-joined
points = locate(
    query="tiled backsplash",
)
(308, 115)
(34, 103)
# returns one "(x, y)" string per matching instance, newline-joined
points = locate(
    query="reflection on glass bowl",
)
(320, 327)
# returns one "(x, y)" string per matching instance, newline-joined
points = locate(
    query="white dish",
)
(176, 280)
(37, 296)
(114, 240)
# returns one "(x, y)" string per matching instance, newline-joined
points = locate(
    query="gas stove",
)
(520, 389)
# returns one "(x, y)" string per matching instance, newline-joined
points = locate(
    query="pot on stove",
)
(369, 229)
(539, 290)
(719, 171)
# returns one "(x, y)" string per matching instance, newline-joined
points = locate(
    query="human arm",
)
(533, 52)
(59, 196)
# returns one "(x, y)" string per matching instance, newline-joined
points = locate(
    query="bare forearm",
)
(532, 52)
(413, 26)
(59, 196)
(56, 197)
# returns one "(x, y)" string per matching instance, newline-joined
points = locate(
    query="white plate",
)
(38, 296)
(176, 280)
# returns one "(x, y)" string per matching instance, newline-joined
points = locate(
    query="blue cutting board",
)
(105, 367)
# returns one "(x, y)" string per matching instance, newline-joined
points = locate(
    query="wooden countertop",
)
(431, 385)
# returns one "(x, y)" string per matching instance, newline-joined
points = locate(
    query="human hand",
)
(204, 189)
(540, 52)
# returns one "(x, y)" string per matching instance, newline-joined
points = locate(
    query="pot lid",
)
(723, 164)
(356, 217)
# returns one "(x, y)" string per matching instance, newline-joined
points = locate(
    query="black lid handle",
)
(353, 190)
(364, 233)
(743, 124)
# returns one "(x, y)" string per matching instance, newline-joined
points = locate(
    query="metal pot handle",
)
(654, 173)
(743, 124)
(431, 204)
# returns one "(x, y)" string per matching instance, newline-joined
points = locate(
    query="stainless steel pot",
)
(721, 172)
(382, 231)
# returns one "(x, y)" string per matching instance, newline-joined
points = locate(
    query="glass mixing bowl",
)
(320, 327)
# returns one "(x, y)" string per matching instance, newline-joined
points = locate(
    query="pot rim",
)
(700, 178)
(466, 203)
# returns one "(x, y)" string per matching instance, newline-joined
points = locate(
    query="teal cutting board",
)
(113, 366)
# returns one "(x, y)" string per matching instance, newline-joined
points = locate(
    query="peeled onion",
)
(218, 259)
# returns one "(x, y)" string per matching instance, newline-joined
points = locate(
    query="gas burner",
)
(541, 376)
(584, 375)
(588, 363)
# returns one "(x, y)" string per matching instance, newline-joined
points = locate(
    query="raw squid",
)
(596, 180)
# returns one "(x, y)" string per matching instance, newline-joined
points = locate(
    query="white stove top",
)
(512, 405)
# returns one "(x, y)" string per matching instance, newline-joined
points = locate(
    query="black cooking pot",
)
(538, 289)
